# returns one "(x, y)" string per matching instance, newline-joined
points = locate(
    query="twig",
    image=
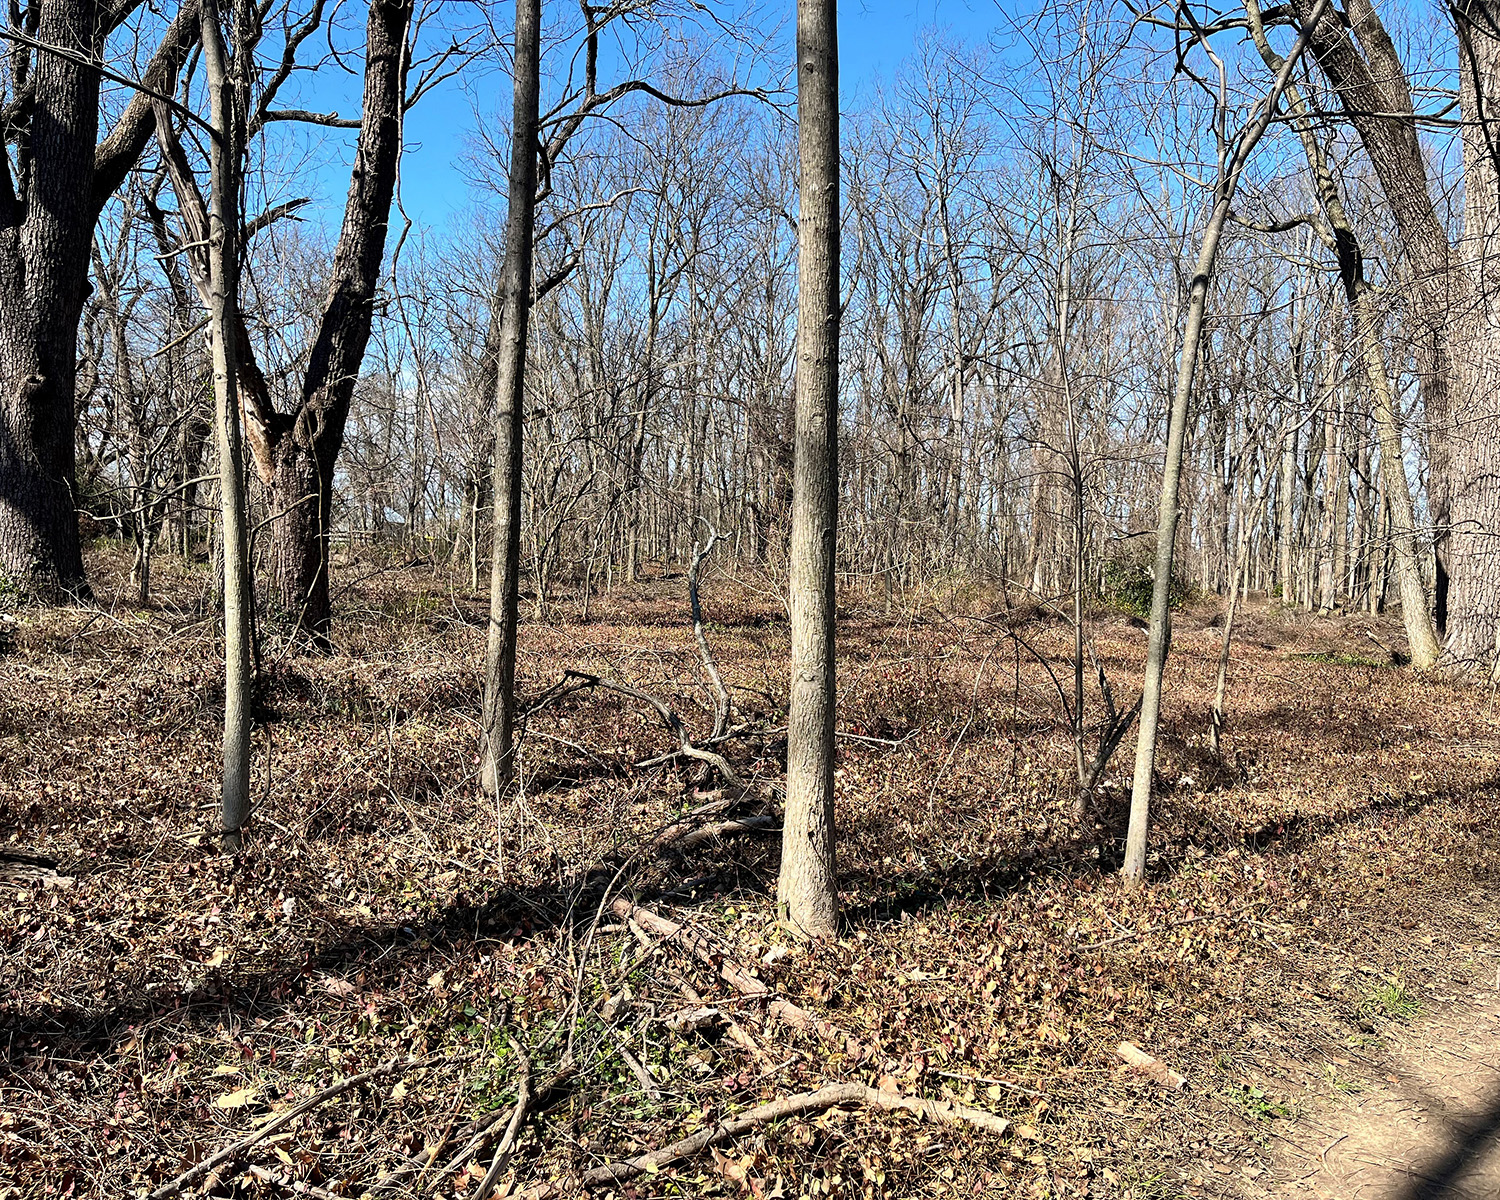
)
(1015, 1087)
(736, 976)
(195, 1173)
(460, 1160)
(669, 718)
(291, 1185)
(643, 1077)
(1139, 933)
(848, 1095)
(507, 1145)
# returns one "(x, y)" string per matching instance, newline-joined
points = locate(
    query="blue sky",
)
(875, 37)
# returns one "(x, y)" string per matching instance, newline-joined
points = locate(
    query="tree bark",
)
(806, 890)
(498, 750)
(226, 116)
(48, 209)
(1134, 869)
(1473, 643)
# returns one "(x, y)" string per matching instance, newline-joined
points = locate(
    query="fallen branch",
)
(507, 1145)
(669, 718)
(195, 1173)
(737, 977)
(715, 802)
(736, 1031)
(683, 836)
(838, 1095)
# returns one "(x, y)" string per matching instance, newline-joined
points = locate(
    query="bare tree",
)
(1233, 166)
(498, 749)
(806, 891)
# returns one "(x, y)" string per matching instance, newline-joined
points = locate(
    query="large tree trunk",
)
(1473, 643)
(43, 281)
(806, 891)
(47, 216)
(302, 499)
(297, 459)
(498, 750)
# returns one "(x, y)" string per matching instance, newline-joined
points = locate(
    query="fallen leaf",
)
(238, 1098)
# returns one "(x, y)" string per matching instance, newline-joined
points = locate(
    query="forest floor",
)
(1317, 950)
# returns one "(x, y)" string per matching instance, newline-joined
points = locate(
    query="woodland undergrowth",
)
(157, 1001)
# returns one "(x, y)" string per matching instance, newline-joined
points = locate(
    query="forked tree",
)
(295, 451)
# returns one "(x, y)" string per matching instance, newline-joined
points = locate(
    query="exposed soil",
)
(1417, 1117)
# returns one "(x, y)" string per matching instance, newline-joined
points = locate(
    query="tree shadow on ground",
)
(1454, 1173)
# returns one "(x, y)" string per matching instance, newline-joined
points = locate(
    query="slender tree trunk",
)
(223, 261)
(498, 752)
(1327, 575)
(1415, 612)
(1358, 56)
(807, 891)
(1286, 519)
(1134, 869)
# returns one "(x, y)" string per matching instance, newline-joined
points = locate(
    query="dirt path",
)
(1417, 1119)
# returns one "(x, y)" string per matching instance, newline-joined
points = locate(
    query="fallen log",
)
(1153, 1068)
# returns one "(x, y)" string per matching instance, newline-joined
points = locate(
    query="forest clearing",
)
(1312, 900)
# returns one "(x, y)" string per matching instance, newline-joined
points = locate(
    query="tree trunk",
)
(1473, 645)
(498, 751)
(806, 890)
(1357, 55)
(1134, 869)
(302, 504)
(223, 262)
(1286, 522)
(296, 454)
(48, 209)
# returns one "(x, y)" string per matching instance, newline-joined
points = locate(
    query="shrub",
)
(1128, 578)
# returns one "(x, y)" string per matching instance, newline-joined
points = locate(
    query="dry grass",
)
(382, 909)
